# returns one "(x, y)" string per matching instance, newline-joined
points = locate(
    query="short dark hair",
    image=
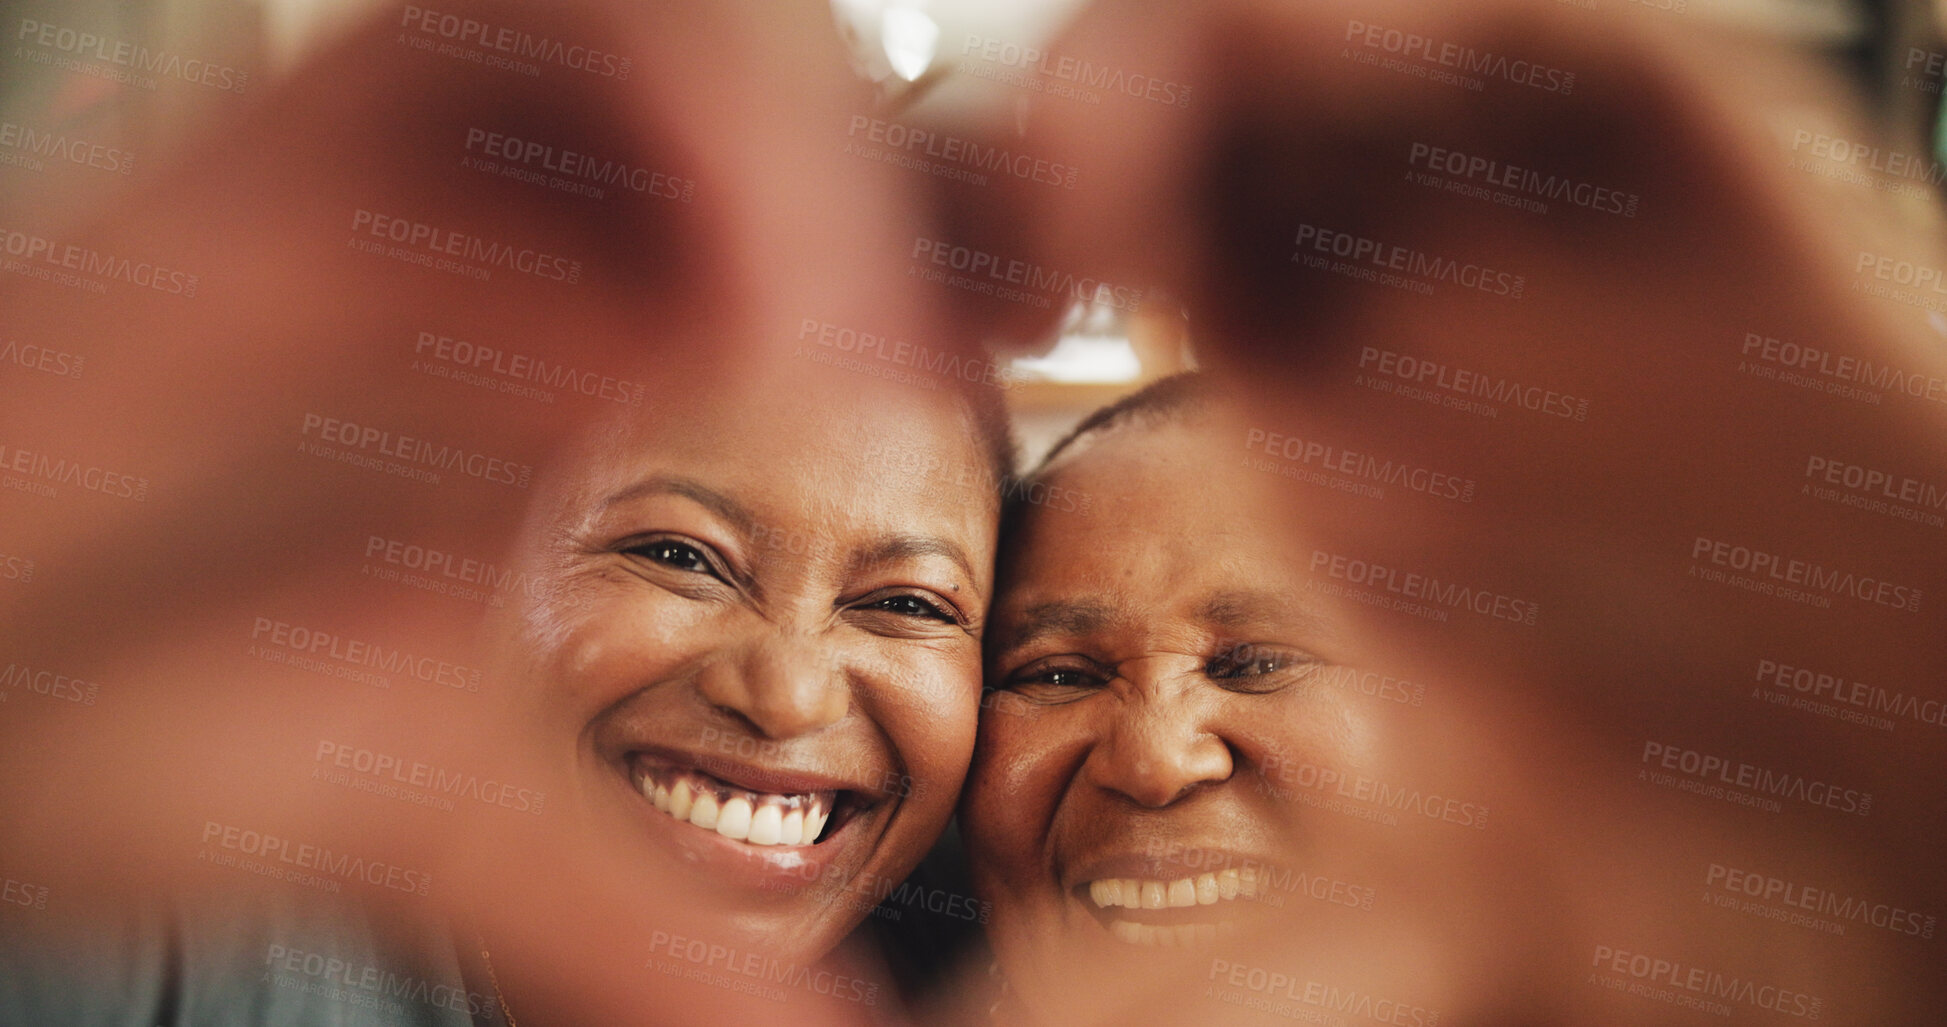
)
(1160, 401)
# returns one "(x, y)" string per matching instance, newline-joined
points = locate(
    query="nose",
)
(783, 684)
(1161, 742)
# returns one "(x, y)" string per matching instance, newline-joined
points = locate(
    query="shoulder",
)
(239, 957)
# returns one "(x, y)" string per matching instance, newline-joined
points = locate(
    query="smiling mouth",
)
(762, 819)
(1182, 912)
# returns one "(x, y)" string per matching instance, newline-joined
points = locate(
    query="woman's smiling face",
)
(1169, 663)
(756, 625)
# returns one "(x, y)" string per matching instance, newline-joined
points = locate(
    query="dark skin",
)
(747, 585)
(1168, 666)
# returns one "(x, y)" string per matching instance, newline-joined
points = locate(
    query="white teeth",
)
(1202, 890)
(704, 813)
(766, 825)
(733, 822)
(755, 818)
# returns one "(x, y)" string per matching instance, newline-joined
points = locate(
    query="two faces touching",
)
(770, 632)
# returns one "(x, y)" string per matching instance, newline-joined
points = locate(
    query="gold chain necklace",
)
(499, 996)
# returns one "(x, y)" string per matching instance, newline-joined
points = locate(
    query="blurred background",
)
(924, 58)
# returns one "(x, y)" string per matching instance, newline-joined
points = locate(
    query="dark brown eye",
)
(1255, 667)
(674, 554)
(914, 606)
(1249, 667)
(1056, 679)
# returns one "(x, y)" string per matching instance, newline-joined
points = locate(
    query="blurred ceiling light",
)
(1083, 360)
(888, 37)
(859, 25)
(910, 38)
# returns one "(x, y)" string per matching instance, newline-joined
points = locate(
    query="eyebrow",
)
(1228, 609)
(1238, 607)
(691, 489)
(887, 550)
(902, 547)
(1061, 617)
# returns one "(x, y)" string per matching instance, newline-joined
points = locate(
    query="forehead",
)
(1167, 482)
(809, 446)
(1169, 518)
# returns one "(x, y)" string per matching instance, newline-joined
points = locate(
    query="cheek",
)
(1342, 730)
(605, 646)
(1022, 766)
(928, 708)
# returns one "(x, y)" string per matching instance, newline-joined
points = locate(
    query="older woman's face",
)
(1171, 670)
(755, 634)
